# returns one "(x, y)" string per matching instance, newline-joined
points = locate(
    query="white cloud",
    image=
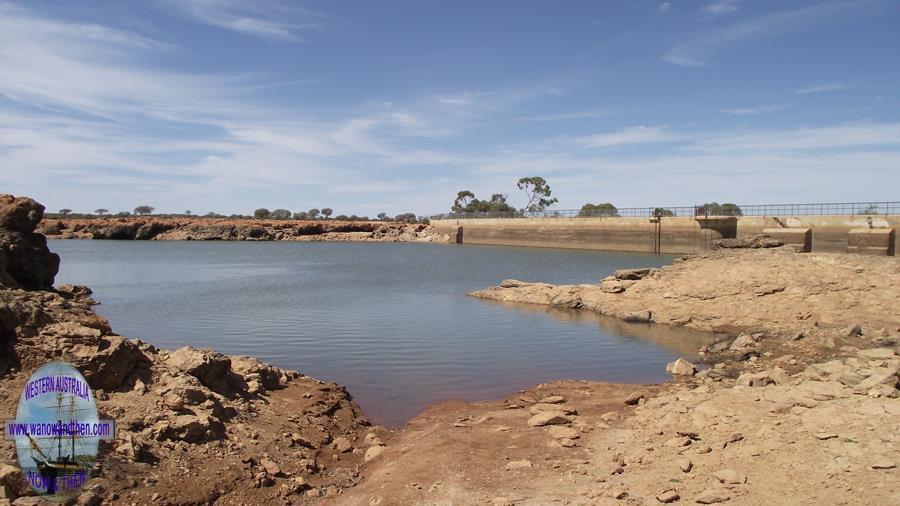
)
(695, 52)
(270, 19)
(630, 135)
(663, 7)
(721, 7)
(850, 136)
(758, 109)
(821, 88)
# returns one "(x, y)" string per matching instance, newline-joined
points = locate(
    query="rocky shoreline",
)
(226, 229)
(799, 405)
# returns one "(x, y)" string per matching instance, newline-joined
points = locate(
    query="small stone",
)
(877, 354)
(537, 408)
(713, 496)
(825, 435)
(561, 432)
(638, 317)
(883, 464)
(685, 465)
(853, 331)
(668, 496)
(372, 439)
(681, 367)
(553, 399)
(270, 466)
(634, 398)
(567, 443)
(373, 453)
(342, 445)
(743, 341)
(516, 465)
(730, 477)
(678, 442)
(548, 418)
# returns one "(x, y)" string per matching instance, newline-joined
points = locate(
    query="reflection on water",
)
(390, 321)
(681, 341)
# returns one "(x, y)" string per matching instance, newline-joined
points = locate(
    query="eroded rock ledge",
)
(776, 291)
(208, 229)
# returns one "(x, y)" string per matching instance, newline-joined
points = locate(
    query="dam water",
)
(391, 321)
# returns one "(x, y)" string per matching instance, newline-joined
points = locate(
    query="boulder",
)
(644, 316)
(539, 407)
(668, 496)
(634, 398)
(713, 496)
(190, 428)
(252, 369)
(516, 465)
(26, 261)
(373, 453)
(12, 477)
(681, 367)
(210, 367)
(553, 399)
(114, 360)
(548, 418)
(634, 274)
(20, 214)
(742, 342)
(342, 445)
(561, 432)
(730, 477)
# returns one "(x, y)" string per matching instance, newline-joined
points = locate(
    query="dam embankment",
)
(869, 234)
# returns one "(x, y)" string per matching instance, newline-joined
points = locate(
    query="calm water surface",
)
(391, 321)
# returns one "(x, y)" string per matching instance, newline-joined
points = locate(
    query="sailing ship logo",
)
(57, 430)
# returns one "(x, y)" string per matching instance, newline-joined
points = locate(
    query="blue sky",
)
(230, 105)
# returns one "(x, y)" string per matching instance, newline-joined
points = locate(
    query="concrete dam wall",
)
(682, 234)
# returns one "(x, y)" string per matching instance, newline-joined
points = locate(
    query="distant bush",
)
(716, 209)
(280, 214)
(606, 209)
(262, 214)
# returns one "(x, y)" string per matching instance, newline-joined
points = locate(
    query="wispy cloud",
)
(803, 139)
(758, 109)
(663, 7)
(695, 52)
(721, 7)
(821, 88)
(630, 135)
(270, 19)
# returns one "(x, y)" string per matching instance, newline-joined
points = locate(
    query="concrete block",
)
(871, 241)
(799, 238)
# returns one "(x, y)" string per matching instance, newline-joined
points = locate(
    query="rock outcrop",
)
(25, 260)
(739, 291)
(216, 229)
(244, 429)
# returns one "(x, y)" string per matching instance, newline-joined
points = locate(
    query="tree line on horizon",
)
(539, 198)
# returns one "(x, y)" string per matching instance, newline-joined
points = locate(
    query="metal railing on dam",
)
(771, 210)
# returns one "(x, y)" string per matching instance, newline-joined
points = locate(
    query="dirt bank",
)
(213, 229)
